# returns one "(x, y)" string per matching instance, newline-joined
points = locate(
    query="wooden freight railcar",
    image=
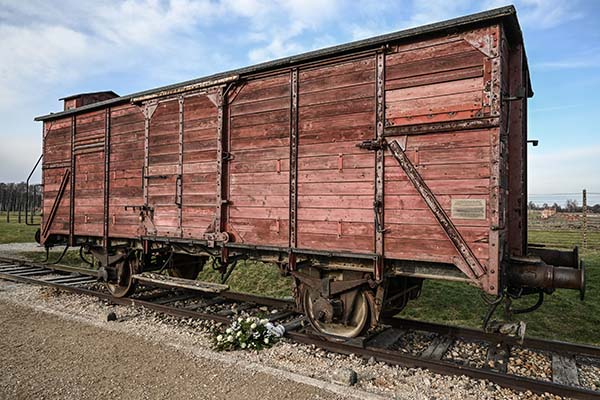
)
(360, 170)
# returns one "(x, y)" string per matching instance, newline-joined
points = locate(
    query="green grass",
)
(13, 232)
(71, 258)
(253, 277)
(564, 238)
(562, 317)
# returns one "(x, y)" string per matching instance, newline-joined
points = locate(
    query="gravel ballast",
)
(83, 320)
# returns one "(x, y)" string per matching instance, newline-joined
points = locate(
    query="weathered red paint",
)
(170, 174)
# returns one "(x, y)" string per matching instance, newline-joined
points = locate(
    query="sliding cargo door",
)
(162, 177)
(181, 177)
(199, 198)
(56, 175)
(335, 177)
(259, 129)
(88, 177)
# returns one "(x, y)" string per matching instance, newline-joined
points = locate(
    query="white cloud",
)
(545, 14)
(18, 158)
(359, 32)
(48, 51)
(578, 169)
(541, 14)
(278, 33)
(570, 63)
(426, 12)
(40, 50)
(28, 62)
(555, 108)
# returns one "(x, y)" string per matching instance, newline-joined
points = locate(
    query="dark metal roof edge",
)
(437, 27)
(87, 94)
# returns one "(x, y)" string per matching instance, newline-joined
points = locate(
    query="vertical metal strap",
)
(178, 182)
(146, 152)
(221, 148)
(106, 175)
(45, 129)
(525, 80)
(72, 186)
(293, 218)
(379, 166)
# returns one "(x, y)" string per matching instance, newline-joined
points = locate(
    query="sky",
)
(51, 49)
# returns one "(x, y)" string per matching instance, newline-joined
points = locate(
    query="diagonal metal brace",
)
(55, 205)
(467, 263)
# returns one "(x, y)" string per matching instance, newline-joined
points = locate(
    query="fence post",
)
(584, 220)
(8, 216)
(19, 218)
(33, 204)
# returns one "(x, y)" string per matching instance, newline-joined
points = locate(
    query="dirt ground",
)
(45, 357)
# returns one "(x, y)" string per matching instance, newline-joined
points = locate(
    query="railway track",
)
(385, 345)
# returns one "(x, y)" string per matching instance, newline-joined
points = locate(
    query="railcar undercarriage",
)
(338, 295)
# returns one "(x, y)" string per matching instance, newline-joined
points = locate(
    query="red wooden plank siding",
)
(163, 159)
(335, 178)
(259, 126)
(57, 157)
(434, 81)
(412, 232)
(199, 165)
(89, 173)
(126, 162)
(439, 81)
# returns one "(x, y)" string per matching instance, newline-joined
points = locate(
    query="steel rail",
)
(229, 295)
(397, 358)
(476, 334)
(512, 381)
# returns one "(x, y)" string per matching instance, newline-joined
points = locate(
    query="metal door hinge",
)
(373, 144)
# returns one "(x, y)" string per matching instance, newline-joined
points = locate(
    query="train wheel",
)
(125, 284)
(187, 267)
(319, 312)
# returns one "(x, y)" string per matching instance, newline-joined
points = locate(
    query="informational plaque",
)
(468, 208)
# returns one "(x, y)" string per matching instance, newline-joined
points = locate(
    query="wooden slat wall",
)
(199, 165)
(455, 165)
(335, 178)
(436, 81)
(163, 159)
(126, 162)
(89, 174)
(259, 128)
(57, 158)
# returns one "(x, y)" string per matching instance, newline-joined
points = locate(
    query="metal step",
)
(9, 266)
(18, 268)
(80, 282)
(69, 278)
(36, 272)
(170, 281)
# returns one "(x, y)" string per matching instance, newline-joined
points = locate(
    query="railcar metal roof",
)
(507, 14)
(88, 94)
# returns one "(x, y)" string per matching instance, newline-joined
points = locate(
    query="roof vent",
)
(83, 99)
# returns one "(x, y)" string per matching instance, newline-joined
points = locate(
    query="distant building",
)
(548, 212)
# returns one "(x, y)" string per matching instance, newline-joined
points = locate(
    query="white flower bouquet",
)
(251, 333)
